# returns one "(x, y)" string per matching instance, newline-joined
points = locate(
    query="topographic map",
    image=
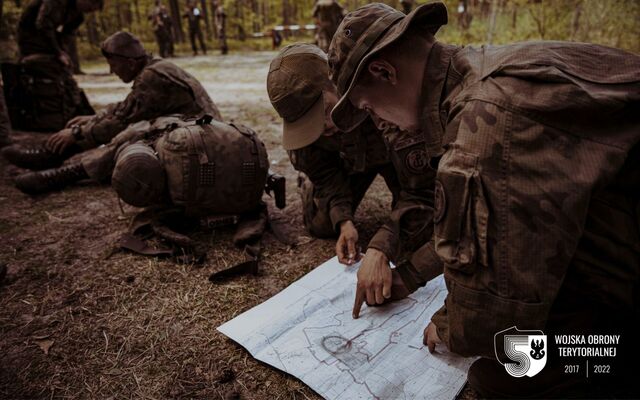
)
(307, 331)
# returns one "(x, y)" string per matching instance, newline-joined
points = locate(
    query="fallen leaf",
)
(45, 345)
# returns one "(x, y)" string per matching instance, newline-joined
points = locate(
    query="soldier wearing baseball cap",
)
(336, 169)
(536, 147)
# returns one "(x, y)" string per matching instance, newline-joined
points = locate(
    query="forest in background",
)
(608, 22)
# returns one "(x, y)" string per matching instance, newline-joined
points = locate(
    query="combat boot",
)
(52, 179)
(37, 157)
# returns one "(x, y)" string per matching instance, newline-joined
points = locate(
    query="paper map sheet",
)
(307, 331)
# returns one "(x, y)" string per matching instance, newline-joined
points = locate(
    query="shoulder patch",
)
(416, 160)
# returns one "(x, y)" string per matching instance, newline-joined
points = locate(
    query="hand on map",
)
(377, 282)
(347, 245)
(58, 142)
(431, 338)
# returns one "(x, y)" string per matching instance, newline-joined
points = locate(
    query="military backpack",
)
(214, 168)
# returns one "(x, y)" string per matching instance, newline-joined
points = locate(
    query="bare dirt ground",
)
(81, 319)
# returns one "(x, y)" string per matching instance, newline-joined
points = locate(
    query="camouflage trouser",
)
(99, 162)
(163, 37)
(5, 123)
(316, 212)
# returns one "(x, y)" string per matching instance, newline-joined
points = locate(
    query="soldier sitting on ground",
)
(159, 88)
(336, 169)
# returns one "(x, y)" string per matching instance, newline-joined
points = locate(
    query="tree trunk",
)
(136, 5)
(575, 25)
(177, 20)
(285, 13)
(265, 14)
(104, 25)
(539, 19)
(256, 16)
(205, 16)
(492, 22)
(1, 23)
(214, 21)
(118, 16)
(92, 30)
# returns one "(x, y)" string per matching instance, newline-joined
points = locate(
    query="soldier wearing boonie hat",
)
(536, 150)
(336, 169)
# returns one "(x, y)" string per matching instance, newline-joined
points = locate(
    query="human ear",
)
(382, 70)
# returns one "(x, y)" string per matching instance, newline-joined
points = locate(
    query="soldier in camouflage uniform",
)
(536, 208)
(161, 24)
(159, 88)
(327, 15)
(407, 6)
(337, 169)
(44, 31)
(192, 14)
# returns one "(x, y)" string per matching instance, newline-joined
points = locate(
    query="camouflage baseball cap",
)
(363, 33)
(139, 176)
(295, 82)
(123, 44)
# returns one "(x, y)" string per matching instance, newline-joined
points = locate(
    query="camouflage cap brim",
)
(306, 129)
(430, 16)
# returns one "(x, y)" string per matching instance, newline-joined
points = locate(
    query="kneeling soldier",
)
(337, 169)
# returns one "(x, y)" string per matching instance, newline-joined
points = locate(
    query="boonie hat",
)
(363, 33)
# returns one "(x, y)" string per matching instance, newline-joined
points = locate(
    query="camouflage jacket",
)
(44, 24)
(411, 221)
(329, 161)
(537, 147)
(160, 89)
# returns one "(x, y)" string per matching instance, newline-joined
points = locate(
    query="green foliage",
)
(608, 22)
